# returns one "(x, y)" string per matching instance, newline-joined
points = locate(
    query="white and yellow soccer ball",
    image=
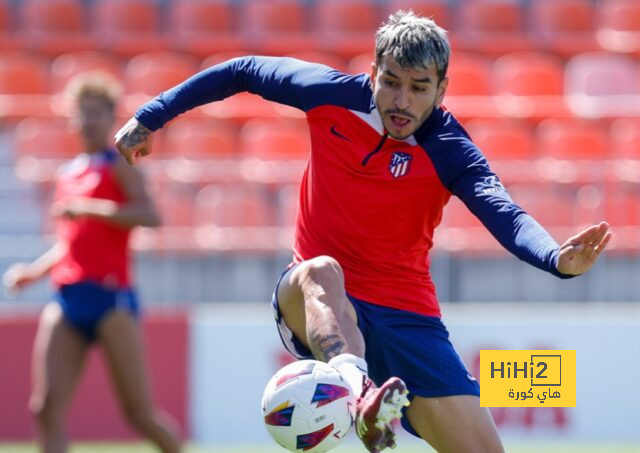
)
(308, 407)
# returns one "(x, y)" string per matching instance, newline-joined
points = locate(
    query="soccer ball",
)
(308, 406)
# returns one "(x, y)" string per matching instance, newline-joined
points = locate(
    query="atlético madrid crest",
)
(400, 163)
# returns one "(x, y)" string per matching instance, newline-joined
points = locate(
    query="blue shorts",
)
(85, 305)
(413, 347)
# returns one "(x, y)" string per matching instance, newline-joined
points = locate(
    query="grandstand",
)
(548, 89)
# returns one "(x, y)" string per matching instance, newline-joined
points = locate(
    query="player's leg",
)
(313, 304)
(58, 357)
(120, 338)
(455, 424)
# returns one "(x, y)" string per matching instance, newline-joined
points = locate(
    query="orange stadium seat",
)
(436, 9)
(564, 27)
(275, 139)
(203, 27)
(152, 72)
(345, 28)
(276, 27)
(332, 60)
(200, 139)
(532, 85)
(619, 25)
(493, 27)
(67, 65)
(571, 139)
(360, 63)
(21, 73)
(55, 26)
(45, 138)
(127, 27)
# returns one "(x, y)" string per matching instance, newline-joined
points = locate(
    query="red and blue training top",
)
(370, 201)
(96, 250)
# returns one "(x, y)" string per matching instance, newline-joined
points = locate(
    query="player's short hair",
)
(98, 84)
(414, 42)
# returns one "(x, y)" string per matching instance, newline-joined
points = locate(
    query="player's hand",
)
(71, 209)
(133, 140)
(581, 251)
(17, 277)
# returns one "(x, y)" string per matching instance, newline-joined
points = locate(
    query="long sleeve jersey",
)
(368, 200)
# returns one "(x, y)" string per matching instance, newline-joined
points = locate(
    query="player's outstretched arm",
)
(581, 251)
(134, 140)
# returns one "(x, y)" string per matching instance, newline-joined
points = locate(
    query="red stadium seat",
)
(221, 57)
(45, 138)
(200, 139)
(360, 63)
(127, 27)
(625, 138)
(531, 84)
(345, 28)
(153, 72)
(203, 27)
(571, 139)
(564, 27)
(21, 74)
(601, 84)
(67, 65)
(619, 25)
(55, 26)
(279, 139)
(469, 75)
(276, 27)
(435, 9)
(493, 27)
(332, 60)
(502, 140)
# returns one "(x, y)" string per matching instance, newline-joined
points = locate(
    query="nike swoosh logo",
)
(338, 134)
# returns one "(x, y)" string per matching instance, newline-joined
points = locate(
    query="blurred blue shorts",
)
(85, 304)
(411, 346)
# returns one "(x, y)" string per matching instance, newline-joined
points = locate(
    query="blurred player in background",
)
(98, 199)
(385, 159)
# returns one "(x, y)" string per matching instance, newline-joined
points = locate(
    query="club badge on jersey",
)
(400, 163)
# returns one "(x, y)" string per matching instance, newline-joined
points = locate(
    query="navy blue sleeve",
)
(284, 80)
(465, 172)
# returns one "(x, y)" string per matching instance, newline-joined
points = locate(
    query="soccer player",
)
(385, 159)
(98, 199)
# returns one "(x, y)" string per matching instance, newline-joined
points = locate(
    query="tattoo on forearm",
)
(136, 136)
(324, 347)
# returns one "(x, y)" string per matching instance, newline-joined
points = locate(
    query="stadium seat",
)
(531, 85)
(625, 138)
(564, 27)
(152, 72)
(619, 25)
(9, 39)
(332, 60)
(275, 139)
(601, 84)
(345, 28)
(127, 27)
(492, 27)
(203, 27)
(221, 57)
(571, 139)
(200, 139)
(502, 140)
(276, 27)
(67, 65)
(469, 75)
(55, 26)
(21, 73)
(436, 9)
(360, 63)
(45, 138)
